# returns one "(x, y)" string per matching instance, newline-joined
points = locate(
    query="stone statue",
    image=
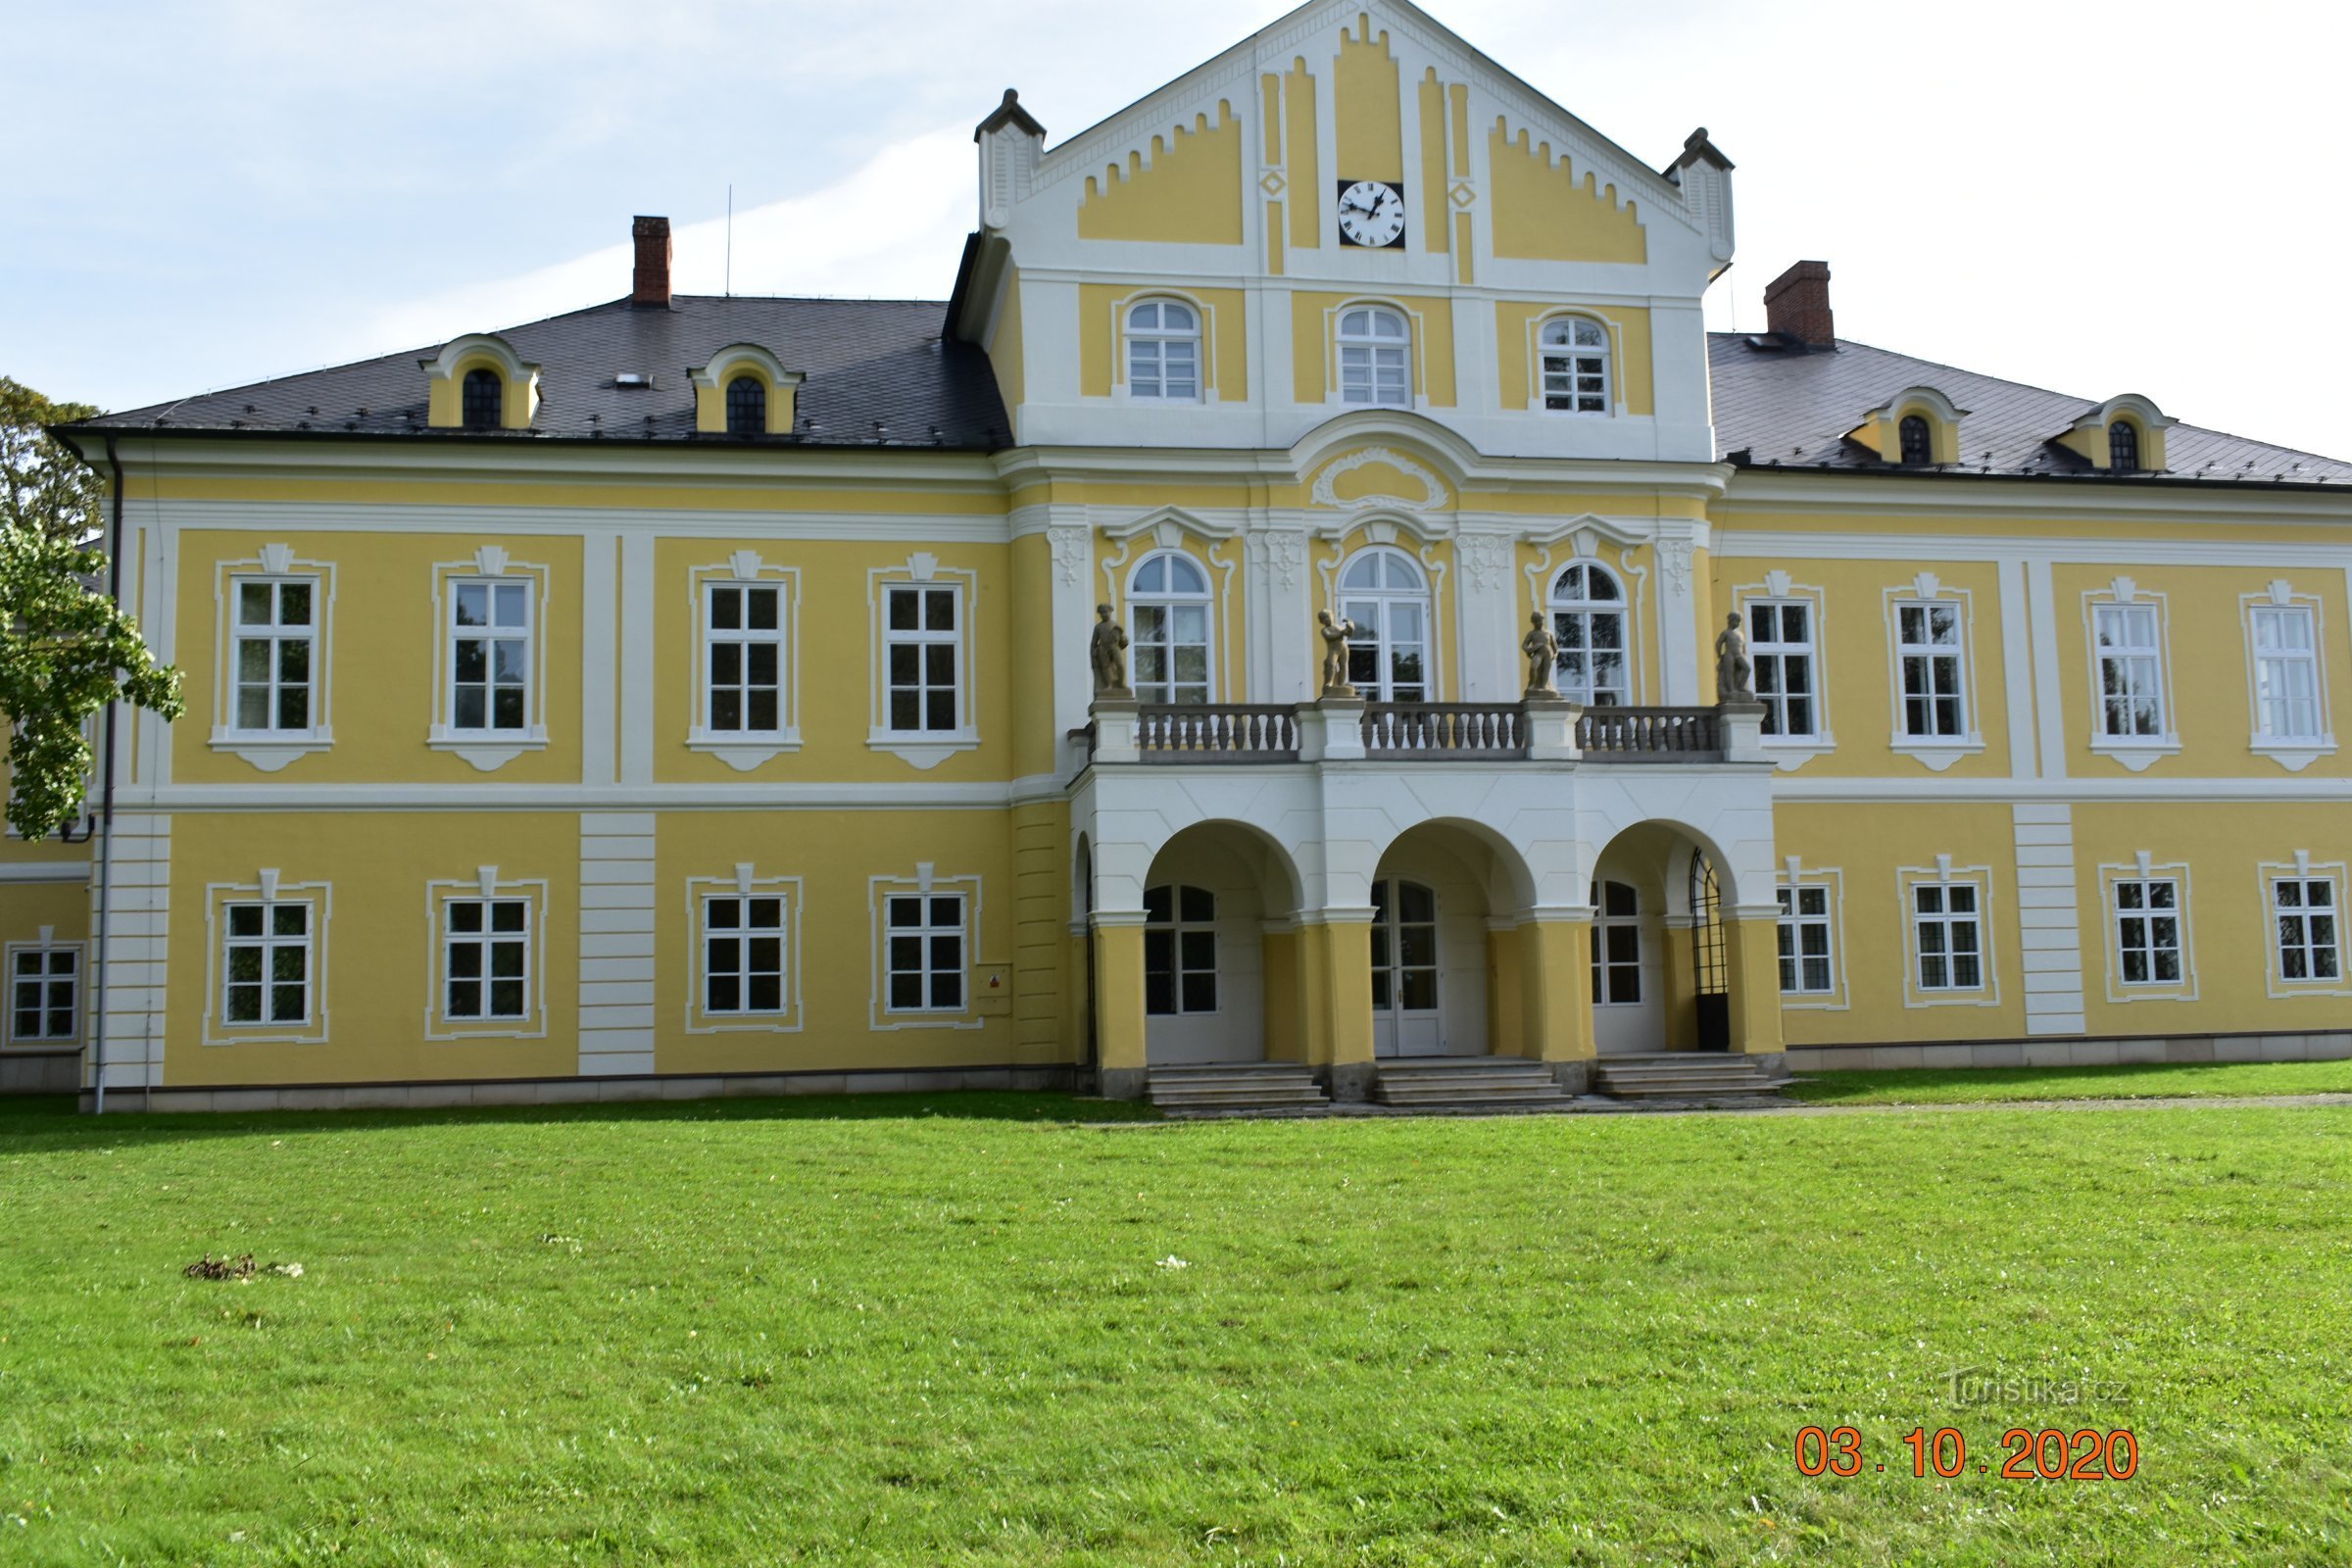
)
(1334, 653)
(1543, 651)
(1734, 674)
(1107, 652)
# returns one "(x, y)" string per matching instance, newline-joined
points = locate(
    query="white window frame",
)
(45, 950)
(1571, 352)
(1926, 593)
(1602, 961)
(486, 887)
(1987, 993)
(745, 749)
(1365, 355)
(2292, 752)
(272, 749)
(488, 749)
(1382, 599)
(1559, 607)
(1176, 927)
(272, 892)
(926, 882)
(2138, 902)
(1168, 601)
(1157, 340)
(1788, 891)
(2304, 873)
(2146, 661)
(923, 748)
(746, 883)
(1781, 653)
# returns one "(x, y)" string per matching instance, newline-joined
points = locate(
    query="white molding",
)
(744, 881)
(1792, 751)
(488, 749)
(2295, 753)
(485, 883)
(926, 880)
(2274, 985)
(268, 889)
(45, 942)
(1837, 998)
(1934, 752)
(2137, 752)
(2146, 867)
(923, 749)
(744, 750)
(1914, 995)
(270, 750)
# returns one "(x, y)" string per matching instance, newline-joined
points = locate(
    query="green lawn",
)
(1945, 1086)
(966, 1330)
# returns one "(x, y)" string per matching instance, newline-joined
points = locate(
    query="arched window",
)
(1588, 617)
(1918, 448)
(1384, 592)
(484, 401)
(1180, 950)
(747, 406)
(1163, 352)
(2122, 446)
(1168, 610)
(1372, 358)
(1576, 366)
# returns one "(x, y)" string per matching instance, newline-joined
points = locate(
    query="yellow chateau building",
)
(695, 695)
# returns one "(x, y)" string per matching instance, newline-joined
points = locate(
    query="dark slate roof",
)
(1786, 408)
(878, 373)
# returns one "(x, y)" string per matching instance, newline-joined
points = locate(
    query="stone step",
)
(1465, 1083)
(1235, 1086)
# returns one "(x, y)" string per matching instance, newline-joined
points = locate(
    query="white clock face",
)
(1371, 213)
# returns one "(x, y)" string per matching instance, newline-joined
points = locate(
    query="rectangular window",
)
(266, 963)
(1946, 921)
(1180, 950)
(487, 945)
(1929, 651)
(2304, 908)
(926, 953)
(44, 993)
(2130, 671)
(490, 656)
(1375, 372)
(1805, 940)
(1781, 644)
(2287, 673)
(2147, 930)
(743, 658)
(276, 635)
(923, 648)
(743, 955)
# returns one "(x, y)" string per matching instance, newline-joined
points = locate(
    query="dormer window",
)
(1916, 443)
(485, 399)
(2122, 446)
(747, 406)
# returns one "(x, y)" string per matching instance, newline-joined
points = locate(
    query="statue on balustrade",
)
(1543, 650)
(1735, 674)
(1107, 652)
(1334, 653)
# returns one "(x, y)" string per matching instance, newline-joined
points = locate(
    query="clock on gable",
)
(1372, 213)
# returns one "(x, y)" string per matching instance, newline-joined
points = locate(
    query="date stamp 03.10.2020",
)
(2075, 1452)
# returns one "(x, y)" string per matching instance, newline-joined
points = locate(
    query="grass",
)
(1947, 1086)
(968, 1330)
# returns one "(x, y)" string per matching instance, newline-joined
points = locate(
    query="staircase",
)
(1245, 1086)
(1705, 1076)
(1468, 1083)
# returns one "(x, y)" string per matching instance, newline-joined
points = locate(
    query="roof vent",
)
(632, 379)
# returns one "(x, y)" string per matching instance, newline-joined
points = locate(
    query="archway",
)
(1670, 968)
(1441, 895)
(1219, 929)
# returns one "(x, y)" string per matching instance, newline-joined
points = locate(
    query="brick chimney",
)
(1796, 305)
(651, 283)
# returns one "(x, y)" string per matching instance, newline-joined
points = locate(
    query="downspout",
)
(106, 815)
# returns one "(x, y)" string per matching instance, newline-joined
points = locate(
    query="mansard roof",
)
(878, 375)
(1781, 406)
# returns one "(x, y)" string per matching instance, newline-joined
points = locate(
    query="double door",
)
(1405, 1020)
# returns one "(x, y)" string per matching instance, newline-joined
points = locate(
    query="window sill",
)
(488, 749)
(1939, 752)
(2137, 755)
(2296, 754)
(271, 749)
(922, 748)
(1792, 751)
(742, 750)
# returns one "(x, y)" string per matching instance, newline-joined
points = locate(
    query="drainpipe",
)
(106, 815)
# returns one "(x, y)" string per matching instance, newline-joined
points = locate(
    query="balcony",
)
(1346, 729)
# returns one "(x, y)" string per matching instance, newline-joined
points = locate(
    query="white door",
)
(1629, 1013)
(1405, 970)
(1386, 597)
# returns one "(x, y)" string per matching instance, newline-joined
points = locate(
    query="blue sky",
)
(2093, 197)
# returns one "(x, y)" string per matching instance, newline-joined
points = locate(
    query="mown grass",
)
(1947, 1086)
(956, 1331)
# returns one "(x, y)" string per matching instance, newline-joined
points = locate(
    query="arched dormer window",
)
(484, 401)
(1918, 441)
(2122, 446)
(1374, 362)
(1588, 617)
(1576, 366)
(747, 406)
(1163, 351)
(1383, 591)
(1168, 608)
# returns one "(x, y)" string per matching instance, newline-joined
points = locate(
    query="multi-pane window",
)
(1805, 966)
(483, 399)
(1385, 594)
(1616, 943)
(1168, 605)
(490, 656)
(742, 953)
(487, 949)
(747, 406)
(743, 658)
(1576, 366)
(1929, 652)
(2286, 673)
(2130, 669)
(1163, 352)
(1373, 365)
(2303, 908)
(277, 636)
(1949, 929)
(266, 963)
(2147, 930)
(2122, 446)
(1918, 447)
(43, 993)
(1405, 947)
(925, 949)
(923, 648)
(1781, 644)
(1587, 617)
(1180, 950)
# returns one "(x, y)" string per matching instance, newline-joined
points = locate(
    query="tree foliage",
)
(66, 649)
